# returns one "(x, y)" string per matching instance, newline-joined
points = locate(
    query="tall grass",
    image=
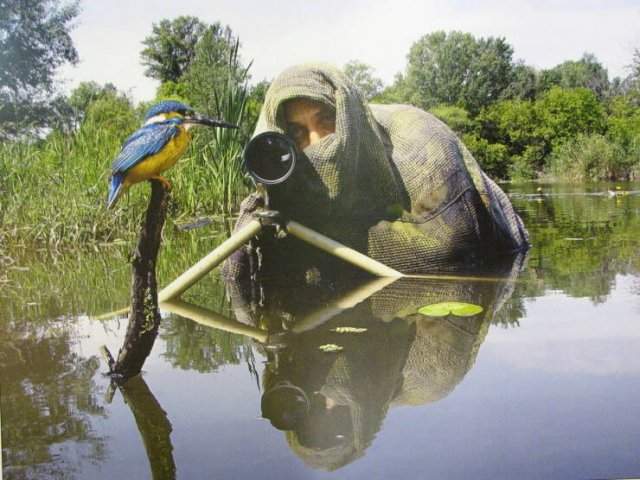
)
(53, 191)
(595, 157)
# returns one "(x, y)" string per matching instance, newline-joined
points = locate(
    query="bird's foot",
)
(165, 183)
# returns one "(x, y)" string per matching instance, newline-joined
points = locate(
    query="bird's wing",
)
(141, 144)
(137, 134)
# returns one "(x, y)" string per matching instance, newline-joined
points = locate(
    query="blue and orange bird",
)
(156, 146)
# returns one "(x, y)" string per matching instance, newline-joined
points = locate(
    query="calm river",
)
(544, 382)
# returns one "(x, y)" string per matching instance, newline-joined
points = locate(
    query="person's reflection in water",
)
(331, 405)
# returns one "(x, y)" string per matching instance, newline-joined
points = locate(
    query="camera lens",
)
(270, 158)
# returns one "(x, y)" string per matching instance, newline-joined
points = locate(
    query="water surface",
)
(543, 383)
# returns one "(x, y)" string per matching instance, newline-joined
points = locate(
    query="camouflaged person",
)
(391, 181)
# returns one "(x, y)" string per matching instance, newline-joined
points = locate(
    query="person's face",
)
(308, 121)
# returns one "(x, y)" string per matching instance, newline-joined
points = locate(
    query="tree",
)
(215, 62)
(398, 92)
(113, 113)
(362, 75)
(587, 72)
(170, 48)
(631, 85)
(457, 118)
(564, 113)
(623, 122)
(85, 94)
(455, 68)
(34, 43)
(524, 83)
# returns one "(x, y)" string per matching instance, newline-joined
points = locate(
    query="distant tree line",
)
(569, 121)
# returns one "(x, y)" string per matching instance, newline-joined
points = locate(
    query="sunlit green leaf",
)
(443, 309)
(331, 347)
(348, 330)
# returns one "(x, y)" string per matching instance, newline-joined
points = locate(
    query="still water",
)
(543, 383)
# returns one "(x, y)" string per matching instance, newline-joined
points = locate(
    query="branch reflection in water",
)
(153, 425)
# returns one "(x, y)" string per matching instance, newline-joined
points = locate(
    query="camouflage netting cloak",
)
(392, 181)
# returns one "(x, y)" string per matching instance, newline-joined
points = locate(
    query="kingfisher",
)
(156, 146)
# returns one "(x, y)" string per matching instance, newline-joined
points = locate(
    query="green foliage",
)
(513, 123)
(493, 157)
(591, 158)
(528, 164)
(216, 61)
(398, 92)
(170, 48)
(457, 118)
(84, 95)
(623, 122)
(362, 75)
(112, 111)
(217, 85)
(455, 68)
(34, 42)
(564, 113)
(171, 90)
(255, 99)
(632, 82)
(587, 72)
(530, 130)
(524, 85)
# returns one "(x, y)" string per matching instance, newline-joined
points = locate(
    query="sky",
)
(275, 35)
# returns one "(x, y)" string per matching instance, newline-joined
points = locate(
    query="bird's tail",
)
(116, 188)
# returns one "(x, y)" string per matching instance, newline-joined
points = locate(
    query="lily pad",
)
(443, 309)
(330, 347)
(348, 330)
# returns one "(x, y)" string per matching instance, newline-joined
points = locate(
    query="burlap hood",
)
(335, 176)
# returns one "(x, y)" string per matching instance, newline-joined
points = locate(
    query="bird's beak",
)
(197, 119)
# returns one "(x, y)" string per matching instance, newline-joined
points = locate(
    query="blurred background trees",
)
(34, 43)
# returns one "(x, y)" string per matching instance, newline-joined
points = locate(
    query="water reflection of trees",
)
(194, 347)
(580, 243)
(48, 399)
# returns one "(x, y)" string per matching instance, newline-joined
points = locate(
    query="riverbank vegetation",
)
(570, 122)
